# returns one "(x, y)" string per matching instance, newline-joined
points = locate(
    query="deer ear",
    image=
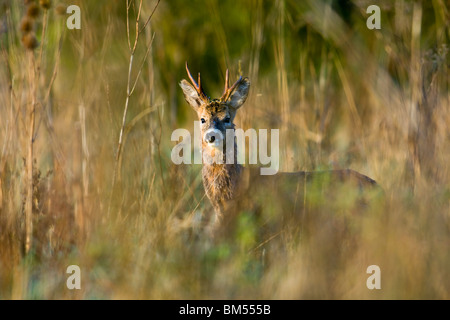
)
(239, 93)
(191, 95)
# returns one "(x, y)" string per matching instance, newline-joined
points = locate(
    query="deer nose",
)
(212, 136)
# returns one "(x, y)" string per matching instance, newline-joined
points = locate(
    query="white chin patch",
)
(215, 145)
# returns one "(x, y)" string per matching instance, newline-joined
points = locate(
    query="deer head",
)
(215, 115)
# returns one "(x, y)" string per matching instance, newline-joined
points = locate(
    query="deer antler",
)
(198, 86)
(228, 90)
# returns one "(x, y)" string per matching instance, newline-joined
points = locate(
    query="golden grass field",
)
(86, 117)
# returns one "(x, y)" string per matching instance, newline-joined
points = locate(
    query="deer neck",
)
(221, 180)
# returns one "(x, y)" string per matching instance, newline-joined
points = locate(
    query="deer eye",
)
(202, 120)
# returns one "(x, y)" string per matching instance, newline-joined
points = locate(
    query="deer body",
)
(229, 186)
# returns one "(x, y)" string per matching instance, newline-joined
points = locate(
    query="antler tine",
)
(235, 84)
(228, 90)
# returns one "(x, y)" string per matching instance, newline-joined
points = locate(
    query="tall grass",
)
(376, 101)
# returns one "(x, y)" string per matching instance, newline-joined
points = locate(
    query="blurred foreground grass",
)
(376, 101)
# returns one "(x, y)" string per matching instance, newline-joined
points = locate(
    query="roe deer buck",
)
(230, 185)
